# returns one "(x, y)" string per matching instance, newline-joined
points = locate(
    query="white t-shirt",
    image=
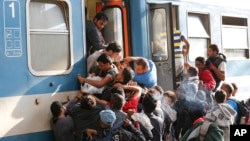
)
(222, 66)
(91, 60)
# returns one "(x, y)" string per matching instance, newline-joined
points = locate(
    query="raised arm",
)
(136, 89)
(131, 58)
(103, 102)
(186, 51)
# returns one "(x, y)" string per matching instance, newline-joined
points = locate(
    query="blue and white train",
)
(42, 49)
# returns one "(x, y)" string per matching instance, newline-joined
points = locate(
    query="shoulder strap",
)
(223, 56)
(204, 129)
(109, 137)
(117, 125)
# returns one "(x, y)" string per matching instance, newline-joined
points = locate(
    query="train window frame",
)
(201, 39)
(236, 47)
(114, 24)
(159, 38)
(49, 47)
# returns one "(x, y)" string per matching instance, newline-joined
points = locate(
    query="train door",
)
(161, 42)
(117, 13)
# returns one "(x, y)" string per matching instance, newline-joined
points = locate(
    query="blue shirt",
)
(149, 79)
(233, 104)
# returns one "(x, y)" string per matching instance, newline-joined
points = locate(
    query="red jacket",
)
(208, 80)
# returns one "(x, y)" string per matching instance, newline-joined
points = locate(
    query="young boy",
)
(216, 64)
(189, 86)
(205, 75)
(222, 113)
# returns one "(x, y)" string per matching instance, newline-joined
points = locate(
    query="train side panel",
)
(24, 97)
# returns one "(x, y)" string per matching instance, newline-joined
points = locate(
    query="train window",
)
(198, 48)
(159, 35)
(198, 35)
(235, 37)
(115, 25)
(234, 21)
(49, 51)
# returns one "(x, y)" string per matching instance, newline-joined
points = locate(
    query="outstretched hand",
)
(186, 65)
(91, 132)
(126, 122)
(127, 59)
(80, 78)
(130, 113)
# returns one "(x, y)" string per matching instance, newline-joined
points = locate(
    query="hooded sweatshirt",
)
(223, 115)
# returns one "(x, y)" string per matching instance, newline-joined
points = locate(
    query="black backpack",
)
(109, 136)
(242, 110)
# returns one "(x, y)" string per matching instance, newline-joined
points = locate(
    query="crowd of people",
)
(124, 103)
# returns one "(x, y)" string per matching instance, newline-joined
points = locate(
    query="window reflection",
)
(159, 35)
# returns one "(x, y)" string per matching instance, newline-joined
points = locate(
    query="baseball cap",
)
(107, 117)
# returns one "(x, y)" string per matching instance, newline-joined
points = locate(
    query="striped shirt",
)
(178, 38)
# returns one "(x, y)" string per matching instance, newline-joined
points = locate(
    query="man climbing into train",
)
(94, 38)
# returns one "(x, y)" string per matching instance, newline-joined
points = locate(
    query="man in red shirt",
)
(205, 75)
(207, 81)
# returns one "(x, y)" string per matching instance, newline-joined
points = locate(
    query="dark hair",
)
(229, 87)
(214, 47)
(196, 109)
(220, 96)
(234, 86)
(101, 16)
(193, 71)
(128, 74)
(171, 95)
(118, 90)
(200, 59)
(55, 109)
(149, 103)
(114, 46)
(117, 101)
(142, 62)
(159, 89)
(104, 58)
(88, 102)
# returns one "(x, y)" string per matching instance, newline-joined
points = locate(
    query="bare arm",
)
(220, 74)
(95, 83)
(220, 71)
(136, 89)
(103, 102)
(131, 58)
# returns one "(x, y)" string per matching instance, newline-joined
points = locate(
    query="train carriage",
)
(42, 49)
